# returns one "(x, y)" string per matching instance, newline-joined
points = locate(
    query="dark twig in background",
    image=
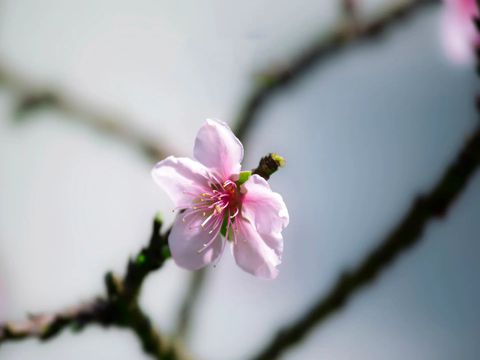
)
(341, 36)
(408, 232)
(30, 97)
(118, 308)
(47, 326)
(185, 314)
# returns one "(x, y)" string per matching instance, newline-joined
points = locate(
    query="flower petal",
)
(455, 41)
(218, 148)
(265, 209)
(459, 34)
(186, 240)
(181, 178)
(253, 254)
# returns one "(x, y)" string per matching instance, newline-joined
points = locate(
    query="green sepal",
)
(141, 259)
(159, 217)
(243, 177)
(223, 229)
(166, 253)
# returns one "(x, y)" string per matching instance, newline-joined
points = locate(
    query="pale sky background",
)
(363, 134)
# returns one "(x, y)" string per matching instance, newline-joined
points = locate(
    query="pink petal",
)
(218, 148)
(455, 41)
(266, 210)
(459, 35)
(181, 178)
(187, 238)
(253, 254)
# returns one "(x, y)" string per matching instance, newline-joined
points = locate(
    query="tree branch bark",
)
(30, 97)
(119, 307)
(346, 33)
(407, 233)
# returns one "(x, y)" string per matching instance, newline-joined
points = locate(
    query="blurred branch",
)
(120, 306)
(30, 97)
(408, 232)
(185, 314)
(47, 326)
(349, 31)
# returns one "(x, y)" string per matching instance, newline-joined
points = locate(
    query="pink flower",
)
(216, 207)
(460, 37)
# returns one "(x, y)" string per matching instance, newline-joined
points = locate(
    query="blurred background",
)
(363, 134)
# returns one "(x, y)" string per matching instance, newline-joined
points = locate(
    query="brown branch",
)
(349, 31)
(153, 343)
(185, 314)
(30, 97)
(47, 326)
(408, 232)
(342, 35)
(118, 308)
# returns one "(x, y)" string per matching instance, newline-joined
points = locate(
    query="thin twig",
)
(153, 343)
(185, 314)
(408, 232)
(342, 35)
(118, 308)
(30, 97)
(47, 326)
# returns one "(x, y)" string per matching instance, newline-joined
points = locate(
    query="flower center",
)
(218, 209)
